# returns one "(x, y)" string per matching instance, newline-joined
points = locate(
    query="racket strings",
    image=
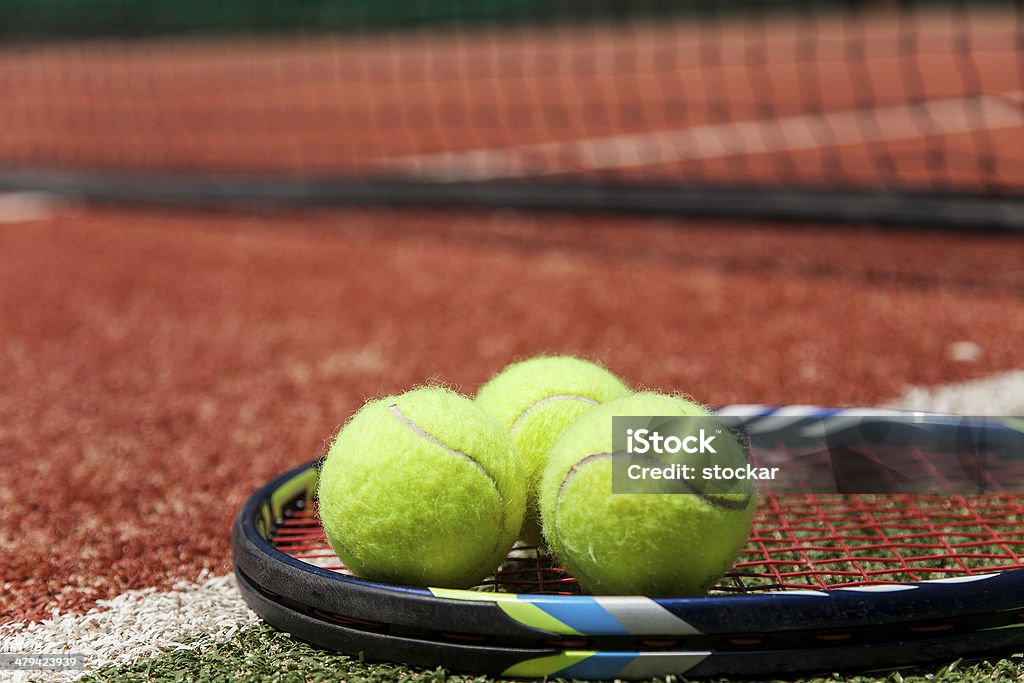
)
(827, 542)
(799, 542)
(300, 535)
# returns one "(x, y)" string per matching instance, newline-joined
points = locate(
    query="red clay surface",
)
(157, 367)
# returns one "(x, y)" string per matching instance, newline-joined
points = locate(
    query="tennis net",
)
(902, 111)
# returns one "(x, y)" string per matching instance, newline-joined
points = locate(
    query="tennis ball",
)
(536, 400)
(662, 543)
(422, 489)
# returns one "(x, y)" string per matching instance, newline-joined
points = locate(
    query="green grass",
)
(265, 654)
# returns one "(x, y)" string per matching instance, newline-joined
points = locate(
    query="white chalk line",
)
(134, 625)
(715, 141)
(26, 207)
(998, 395)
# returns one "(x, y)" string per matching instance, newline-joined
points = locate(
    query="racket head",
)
(639, 659)
(792, 577)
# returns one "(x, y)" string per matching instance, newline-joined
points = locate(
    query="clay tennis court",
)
(158, 365)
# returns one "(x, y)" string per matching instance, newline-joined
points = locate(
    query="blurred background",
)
(688, 108)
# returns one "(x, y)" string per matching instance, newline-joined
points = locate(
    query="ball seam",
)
(579, 569)
(548, 399)
(403, 419)
(710, 499)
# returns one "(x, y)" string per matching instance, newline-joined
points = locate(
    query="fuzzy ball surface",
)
(424, 489)
(536, 400)
(655, 544)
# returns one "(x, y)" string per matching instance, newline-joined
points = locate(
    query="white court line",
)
(25, 207)
(135, 625)
(992, 396)
(760, 136)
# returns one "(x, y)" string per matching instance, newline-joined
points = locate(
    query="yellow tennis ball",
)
(632, 543)
(536, 400)
(422, 489)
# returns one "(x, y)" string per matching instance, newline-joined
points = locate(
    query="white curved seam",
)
(548, 399)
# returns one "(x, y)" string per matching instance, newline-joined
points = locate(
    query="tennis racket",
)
(850, 578)
(643, 658)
